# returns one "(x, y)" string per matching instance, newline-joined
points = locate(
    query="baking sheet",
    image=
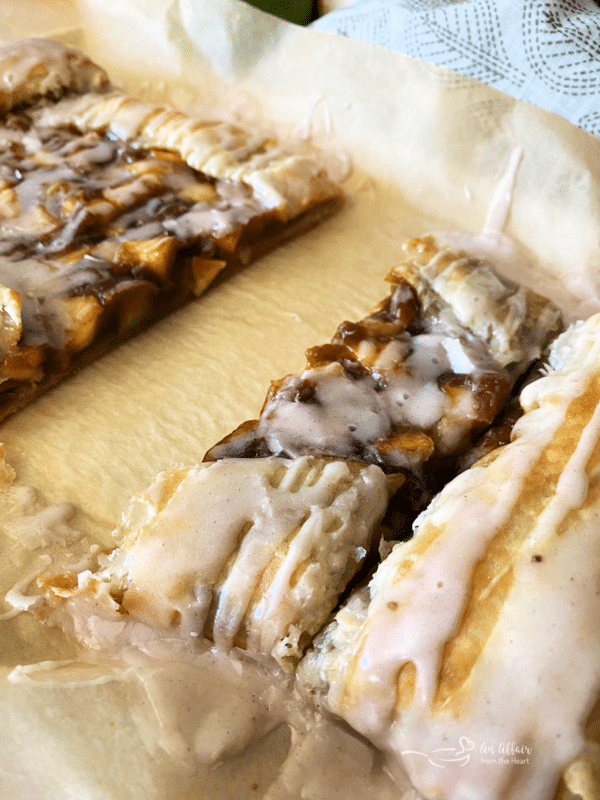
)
(426, 151)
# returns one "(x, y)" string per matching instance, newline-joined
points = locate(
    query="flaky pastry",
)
(247, 554)
(114, 212)
(472, 658)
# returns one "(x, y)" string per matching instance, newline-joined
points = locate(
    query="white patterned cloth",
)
(543, 51)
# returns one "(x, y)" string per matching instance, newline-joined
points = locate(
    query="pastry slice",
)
(114, 211)
(473, 657)
(415, 381)
(247, 554)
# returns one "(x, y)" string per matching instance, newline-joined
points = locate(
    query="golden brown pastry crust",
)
(113, 212)
(249, 554)
(484, 624)
(39, 67)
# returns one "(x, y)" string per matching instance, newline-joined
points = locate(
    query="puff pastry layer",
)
(473, 655)
(248, 554)
(114, 211)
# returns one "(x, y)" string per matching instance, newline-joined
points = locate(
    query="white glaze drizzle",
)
(47, 525)
(204, 538)
(521, 689)
(35, 67)
(392, 373)
(281, 179)
(348, 411)
(21, 672)
(31, 523)
(345, 414)
(16, 596)
(46, 168)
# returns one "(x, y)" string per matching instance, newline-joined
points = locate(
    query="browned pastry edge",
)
(144, 289)
(49, 69)
(262, 235)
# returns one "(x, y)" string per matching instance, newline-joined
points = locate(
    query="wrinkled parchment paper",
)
(427, 150)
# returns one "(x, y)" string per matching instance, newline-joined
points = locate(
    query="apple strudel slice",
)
(247, 554)
(114, 211)
(473, 657)
(416, 380)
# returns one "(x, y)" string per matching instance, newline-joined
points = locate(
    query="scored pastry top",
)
(281, 179)
(511, 319)
(252, 554)
(114, 211)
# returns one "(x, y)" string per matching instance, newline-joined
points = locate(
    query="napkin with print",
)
(543, 51)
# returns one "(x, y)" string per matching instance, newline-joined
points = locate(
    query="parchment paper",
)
(426, 152)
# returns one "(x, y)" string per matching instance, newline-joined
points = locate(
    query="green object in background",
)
(298, 11)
